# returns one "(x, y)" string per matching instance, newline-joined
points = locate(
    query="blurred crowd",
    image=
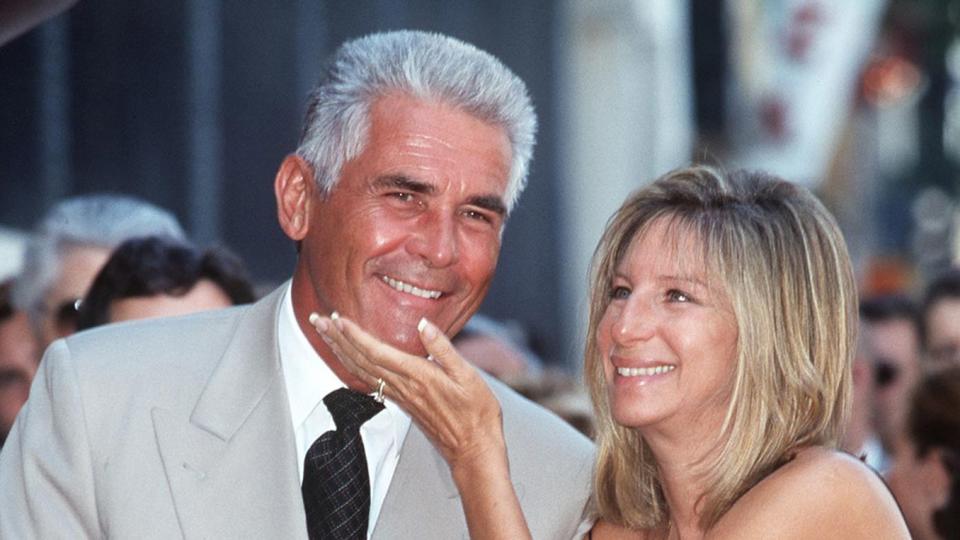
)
(101, 259)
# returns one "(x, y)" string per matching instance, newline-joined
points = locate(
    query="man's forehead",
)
(428, 147)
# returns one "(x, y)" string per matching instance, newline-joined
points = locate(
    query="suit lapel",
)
(422, 501)
(232, 467)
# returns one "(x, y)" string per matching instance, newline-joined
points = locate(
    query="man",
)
(152, 277)
(414, 150)
(859, 436)
(891, 334)
(18, 360)
(500, 350)
(941, 319)
(69, 246)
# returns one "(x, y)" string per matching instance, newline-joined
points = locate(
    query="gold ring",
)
(379, 395)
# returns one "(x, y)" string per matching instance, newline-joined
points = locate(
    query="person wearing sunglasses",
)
(69, 246)
(891, 336)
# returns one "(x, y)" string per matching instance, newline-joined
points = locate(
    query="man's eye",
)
(480, 216)
(674, 295)
(402, 196)
(620, 293)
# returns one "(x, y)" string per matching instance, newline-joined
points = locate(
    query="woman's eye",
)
(619, 293)
(674, 295)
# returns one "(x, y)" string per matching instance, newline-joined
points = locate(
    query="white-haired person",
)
(723, 318)
(241, 423)
(67, 248)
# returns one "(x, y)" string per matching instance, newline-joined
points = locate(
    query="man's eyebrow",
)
(492, 203)
(397, 181)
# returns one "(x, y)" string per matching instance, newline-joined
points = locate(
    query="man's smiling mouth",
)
(411, 289)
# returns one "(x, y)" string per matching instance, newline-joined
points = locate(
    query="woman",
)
(721, 331)
(925, 477)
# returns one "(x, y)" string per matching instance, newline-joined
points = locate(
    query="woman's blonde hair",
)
(780, 258)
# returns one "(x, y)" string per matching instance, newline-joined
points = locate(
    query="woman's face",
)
(668, 338)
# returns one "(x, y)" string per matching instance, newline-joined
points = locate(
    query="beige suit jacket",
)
(181, 428)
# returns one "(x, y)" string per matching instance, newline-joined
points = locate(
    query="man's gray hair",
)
(102, 221)
(422, 65)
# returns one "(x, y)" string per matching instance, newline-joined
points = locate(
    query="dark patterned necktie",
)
(336, 486)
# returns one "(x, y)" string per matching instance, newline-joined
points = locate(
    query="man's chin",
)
(404, 340)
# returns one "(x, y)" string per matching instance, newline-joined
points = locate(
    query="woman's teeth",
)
(643, 371)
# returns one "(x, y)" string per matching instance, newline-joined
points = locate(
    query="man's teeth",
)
(643, 371)
(410, 289)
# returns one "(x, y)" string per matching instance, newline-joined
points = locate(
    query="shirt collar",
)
(307, 376)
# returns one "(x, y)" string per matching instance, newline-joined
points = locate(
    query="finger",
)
(439, 347)
(403, 373)
(382, 354)
(423, 389)
(350, 357)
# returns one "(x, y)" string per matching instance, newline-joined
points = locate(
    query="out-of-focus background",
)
(192, 104)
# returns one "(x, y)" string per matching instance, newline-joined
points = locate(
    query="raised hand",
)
(446, 396)
(453, 406)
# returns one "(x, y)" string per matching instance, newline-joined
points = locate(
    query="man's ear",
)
(294, 188)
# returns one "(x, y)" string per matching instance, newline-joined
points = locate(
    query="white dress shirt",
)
(308, 379)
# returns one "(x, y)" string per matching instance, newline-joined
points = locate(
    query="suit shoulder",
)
(156, 344)
(524, 420)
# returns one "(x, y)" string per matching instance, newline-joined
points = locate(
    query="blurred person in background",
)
(926, 478)
(69, 246)
(890, 327)
(160, 277)
(18, 360)
(498, 349)
(941, 319)
(501, 350)
(860, 437)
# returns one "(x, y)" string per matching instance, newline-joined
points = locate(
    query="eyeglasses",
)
(65, 315)
(885, 373)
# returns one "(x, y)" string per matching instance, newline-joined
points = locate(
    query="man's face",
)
(203, 296)
(943, 332)
(78, 267)
(413, 227)
(18, 364)
(895, 349)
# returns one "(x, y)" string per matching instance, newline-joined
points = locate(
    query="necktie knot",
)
(350, 409)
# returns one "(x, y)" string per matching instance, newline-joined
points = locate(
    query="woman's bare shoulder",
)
(604, 530)
(821, 492)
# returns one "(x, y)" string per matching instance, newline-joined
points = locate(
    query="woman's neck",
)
(683, 458)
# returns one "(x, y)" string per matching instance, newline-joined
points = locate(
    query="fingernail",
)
(335, 317)
(426, 329)
(319, 324)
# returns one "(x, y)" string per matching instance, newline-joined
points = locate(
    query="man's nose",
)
(435, 240)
